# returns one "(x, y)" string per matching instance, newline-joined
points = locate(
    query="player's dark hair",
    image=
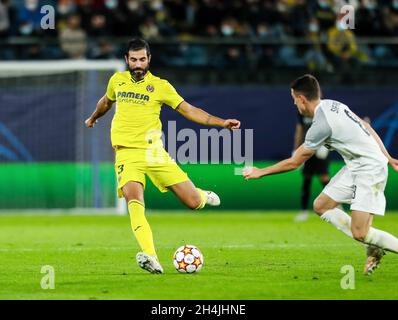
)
(308, 86)
(136, 44)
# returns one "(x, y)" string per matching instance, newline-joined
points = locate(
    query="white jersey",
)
(338, 128)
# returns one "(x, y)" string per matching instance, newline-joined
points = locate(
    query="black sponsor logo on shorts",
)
(354, 192)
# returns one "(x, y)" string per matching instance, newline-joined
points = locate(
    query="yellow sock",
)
(203, 197)
(141, 228)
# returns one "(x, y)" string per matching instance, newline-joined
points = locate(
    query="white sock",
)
(378, 238)
(339, 219)
(382, 239)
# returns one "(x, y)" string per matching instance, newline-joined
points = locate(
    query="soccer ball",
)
(188, 259)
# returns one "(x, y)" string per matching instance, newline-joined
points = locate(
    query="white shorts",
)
(364, 192)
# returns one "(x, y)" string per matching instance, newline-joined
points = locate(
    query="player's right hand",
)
(231, 124)
(90, 122)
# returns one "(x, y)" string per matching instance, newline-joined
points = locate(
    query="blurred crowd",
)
(89, 29)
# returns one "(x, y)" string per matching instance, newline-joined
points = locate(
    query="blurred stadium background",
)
(232, 58)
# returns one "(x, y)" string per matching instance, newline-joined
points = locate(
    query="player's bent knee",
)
(133, 191)
(358, 234)
(323, 203)
(319, 206)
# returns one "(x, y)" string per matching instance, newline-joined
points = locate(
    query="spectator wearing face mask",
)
(116, 17)
(232, 55)
(265, 52)
(167, 24)
(229, 27)
(29, 25)
(341, 42)
(315, 57)
(29, 18)
(343, 50)
(64, 9)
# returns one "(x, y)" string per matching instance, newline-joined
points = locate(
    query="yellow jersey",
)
(136, 123)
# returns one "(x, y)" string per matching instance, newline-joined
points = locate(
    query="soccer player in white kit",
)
(360, 182)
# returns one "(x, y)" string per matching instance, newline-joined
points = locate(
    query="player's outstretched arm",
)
(301, 155)
(103, 105)
(393, 162)
(200, 116)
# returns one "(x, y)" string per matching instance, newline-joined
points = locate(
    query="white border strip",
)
(62, 65)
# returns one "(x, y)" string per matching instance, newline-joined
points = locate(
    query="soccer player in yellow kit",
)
(139, 151)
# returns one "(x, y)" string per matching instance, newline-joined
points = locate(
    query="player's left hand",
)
(231, 124)
(252, 173)
(394, 164)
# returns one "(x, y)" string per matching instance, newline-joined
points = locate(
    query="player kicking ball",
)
(139, 152)
(360, 182)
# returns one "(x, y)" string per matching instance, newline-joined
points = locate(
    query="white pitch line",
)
(231, 246)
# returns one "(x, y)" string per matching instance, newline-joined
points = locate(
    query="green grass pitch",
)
(248, 255)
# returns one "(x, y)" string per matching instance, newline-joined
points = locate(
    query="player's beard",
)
(138, 73)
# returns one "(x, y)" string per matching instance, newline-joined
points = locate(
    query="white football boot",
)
(149, 263)
(374, 257)
(212, 198)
